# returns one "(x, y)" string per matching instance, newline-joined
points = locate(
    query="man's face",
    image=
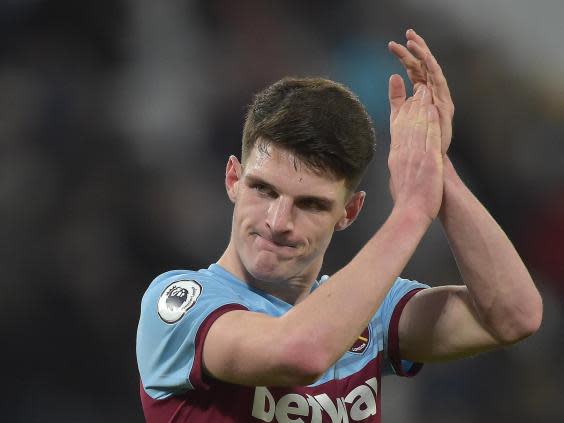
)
(285, 215)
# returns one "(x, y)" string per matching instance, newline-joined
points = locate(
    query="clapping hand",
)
(423, 69)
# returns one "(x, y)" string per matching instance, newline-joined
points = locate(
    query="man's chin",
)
(271, 272)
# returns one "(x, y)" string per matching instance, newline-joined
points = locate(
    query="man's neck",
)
(291, 290)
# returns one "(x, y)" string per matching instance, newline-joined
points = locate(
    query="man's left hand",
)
(423, 69)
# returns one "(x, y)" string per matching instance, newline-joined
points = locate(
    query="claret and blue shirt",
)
(179, 308)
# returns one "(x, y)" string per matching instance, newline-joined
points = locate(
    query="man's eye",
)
(312, 205)
(263, 189)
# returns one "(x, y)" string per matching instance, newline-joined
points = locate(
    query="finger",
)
(421, 54)
(396, 95)
(433, 139)
(416, 102)
(400, 128)
(407, 127)
(419, 132)
(407, 59)
(437, 78)
(418, 51)
(412, 35)
(426, 96)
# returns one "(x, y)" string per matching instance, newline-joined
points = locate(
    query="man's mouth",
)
(268, 241)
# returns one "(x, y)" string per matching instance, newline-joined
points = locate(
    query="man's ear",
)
(233, 172)
(352, 209)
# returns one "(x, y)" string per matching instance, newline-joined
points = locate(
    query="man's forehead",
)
(263, 153)
(266, 156)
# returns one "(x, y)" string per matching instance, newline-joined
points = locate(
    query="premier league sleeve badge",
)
(177, 298)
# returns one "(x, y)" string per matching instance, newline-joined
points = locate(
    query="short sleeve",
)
(177, 311)
(387, 319)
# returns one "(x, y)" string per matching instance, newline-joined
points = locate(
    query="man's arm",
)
(499, 303)
(296, 349)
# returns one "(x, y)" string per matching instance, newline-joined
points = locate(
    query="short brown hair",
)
(318, 120)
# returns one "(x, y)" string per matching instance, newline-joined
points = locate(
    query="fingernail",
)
(423, 91)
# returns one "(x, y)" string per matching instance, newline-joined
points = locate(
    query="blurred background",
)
(116, 121)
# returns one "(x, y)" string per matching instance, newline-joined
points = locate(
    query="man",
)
(255, 338)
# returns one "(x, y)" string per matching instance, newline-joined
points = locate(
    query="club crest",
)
(361, 342)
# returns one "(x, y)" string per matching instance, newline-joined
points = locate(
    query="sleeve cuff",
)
(198, 378)
(401, 369)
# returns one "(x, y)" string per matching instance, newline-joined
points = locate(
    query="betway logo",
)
(290, 406)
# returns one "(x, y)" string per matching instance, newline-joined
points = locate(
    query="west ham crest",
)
(361, 342)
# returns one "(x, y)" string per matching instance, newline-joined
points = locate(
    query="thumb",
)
(396, 95)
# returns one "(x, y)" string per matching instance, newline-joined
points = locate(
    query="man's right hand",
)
(415, 160)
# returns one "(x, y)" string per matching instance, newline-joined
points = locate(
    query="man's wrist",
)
(411, 218)
(449, 172)
(451, 186)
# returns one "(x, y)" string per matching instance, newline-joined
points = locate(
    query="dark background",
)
(117, 118)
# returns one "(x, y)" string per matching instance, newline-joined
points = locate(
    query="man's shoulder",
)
(183, 285)
(199, 277)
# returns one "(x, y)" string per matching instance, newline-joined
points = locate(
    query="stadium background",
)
(116, 119)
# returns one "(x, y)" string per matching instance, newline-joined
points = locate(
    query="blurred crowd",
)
(116, 120)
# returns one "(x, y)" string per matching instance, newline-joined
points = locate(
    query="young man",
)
(255, 338)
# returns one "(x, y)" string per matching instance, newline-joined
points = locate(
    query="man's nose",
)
(279, 215)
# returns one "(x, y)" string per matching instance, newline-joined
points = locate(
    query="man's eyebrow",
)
(323, 201)
(255, 180)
